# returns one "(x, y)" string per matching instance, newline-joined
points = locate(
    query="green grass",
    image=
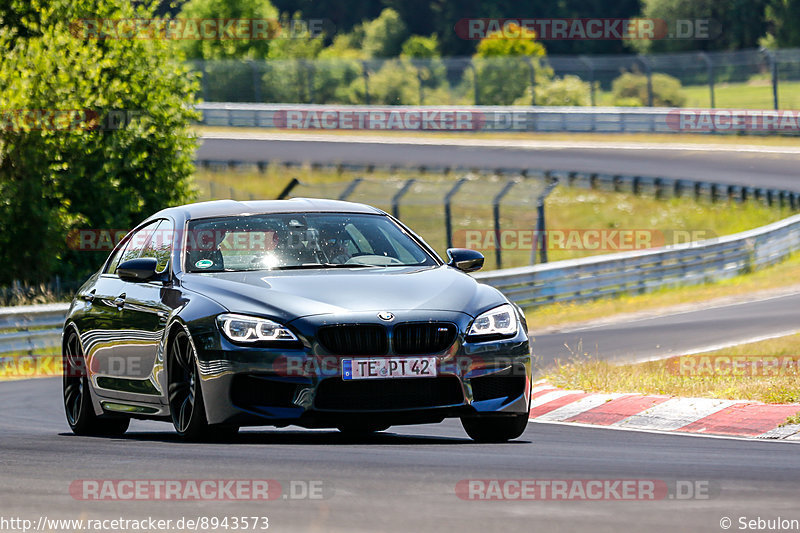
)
(754, 94)
(665, 377)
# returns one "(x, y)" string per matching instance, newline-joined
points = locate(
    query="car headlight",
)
(498, 322)
(241, 328)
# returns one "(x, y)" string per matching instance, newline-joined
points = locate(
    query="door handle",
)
(119, 301)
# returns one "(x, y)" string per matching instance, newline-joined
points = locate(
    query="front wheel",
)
(498, 428)
(78, 406)
(186, 404)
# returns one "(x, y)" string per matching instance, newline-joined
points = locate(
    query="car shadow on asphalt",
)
(300, 437)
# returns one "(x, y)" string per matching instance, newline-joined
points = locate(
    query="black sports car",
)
(317, 313)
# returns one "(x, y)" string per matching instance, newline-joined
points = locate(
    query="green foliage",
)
(431, 71)
(420, 47)
(346, 45)
(53, 180)
(518, 42)
(782, 16)
(631, 90)
(569, 90)
(289, 75)
(384, 36)
(228, 48)
(734, 24)
(395, 82)
(503, 66)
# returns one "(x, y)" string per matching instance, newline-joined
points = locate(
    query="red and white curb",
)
(664, 413)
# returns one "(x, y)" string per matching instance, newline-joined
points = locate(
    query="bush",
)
(569, 90)
(394, 83)
(53, 180)
(227, 48)
(503, 67)
(631, 90)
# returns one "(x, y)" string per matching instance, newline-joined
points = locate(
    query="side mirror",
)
(138, 270)
(464, 259)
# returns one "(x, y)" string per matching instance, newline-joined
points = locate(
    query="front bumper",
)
(303, 385)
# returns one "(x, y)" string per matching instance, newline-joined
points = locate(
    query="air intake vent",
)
(388, 394)
(423, 338)
(358, 339)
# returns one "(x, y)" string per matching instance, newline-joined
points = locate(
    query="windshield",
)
(284, 241)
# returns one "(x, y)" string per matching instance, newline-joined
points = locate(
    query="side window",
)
(133, 249)
(112, 265)
(160, 244)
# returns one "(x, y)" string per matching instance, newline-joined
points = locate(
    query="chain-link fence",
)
(441, 209)
(626, 80)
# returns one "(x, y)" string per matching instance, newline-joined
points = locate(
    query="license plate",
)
(389, 367)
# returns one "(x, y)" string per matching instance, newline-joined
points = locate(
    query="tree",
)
(384, 36)
(229, 48)
(57, 176)
(782, 16)
(732, 24)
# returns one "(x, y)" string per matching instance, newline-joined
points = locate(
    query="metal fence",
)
(493, 81)
(468, 193)
(467, 199)
(659, 187)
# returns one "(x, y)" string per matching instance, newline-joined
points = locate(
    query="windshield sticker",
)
(204, 263)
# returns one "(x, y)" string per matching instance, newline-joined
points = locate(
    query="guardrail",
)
(28, 328)
(310, 117)
(644, 271)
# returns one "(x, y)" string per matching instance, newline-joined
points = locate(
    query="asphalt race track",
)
(400, 480)
(674, 334)
(777, 170)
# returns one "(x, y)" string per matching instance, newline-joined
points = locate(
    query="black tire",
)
(78, 406)
(500, 428)
(186, 405)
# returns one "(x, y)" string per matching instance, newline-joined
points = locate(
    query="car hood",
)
(293, 294)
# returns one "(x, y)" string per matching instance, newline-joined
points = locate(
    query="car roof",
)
(222, 208)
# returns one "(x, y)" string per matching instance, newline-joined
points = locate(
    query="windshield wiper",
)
(323, 265)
